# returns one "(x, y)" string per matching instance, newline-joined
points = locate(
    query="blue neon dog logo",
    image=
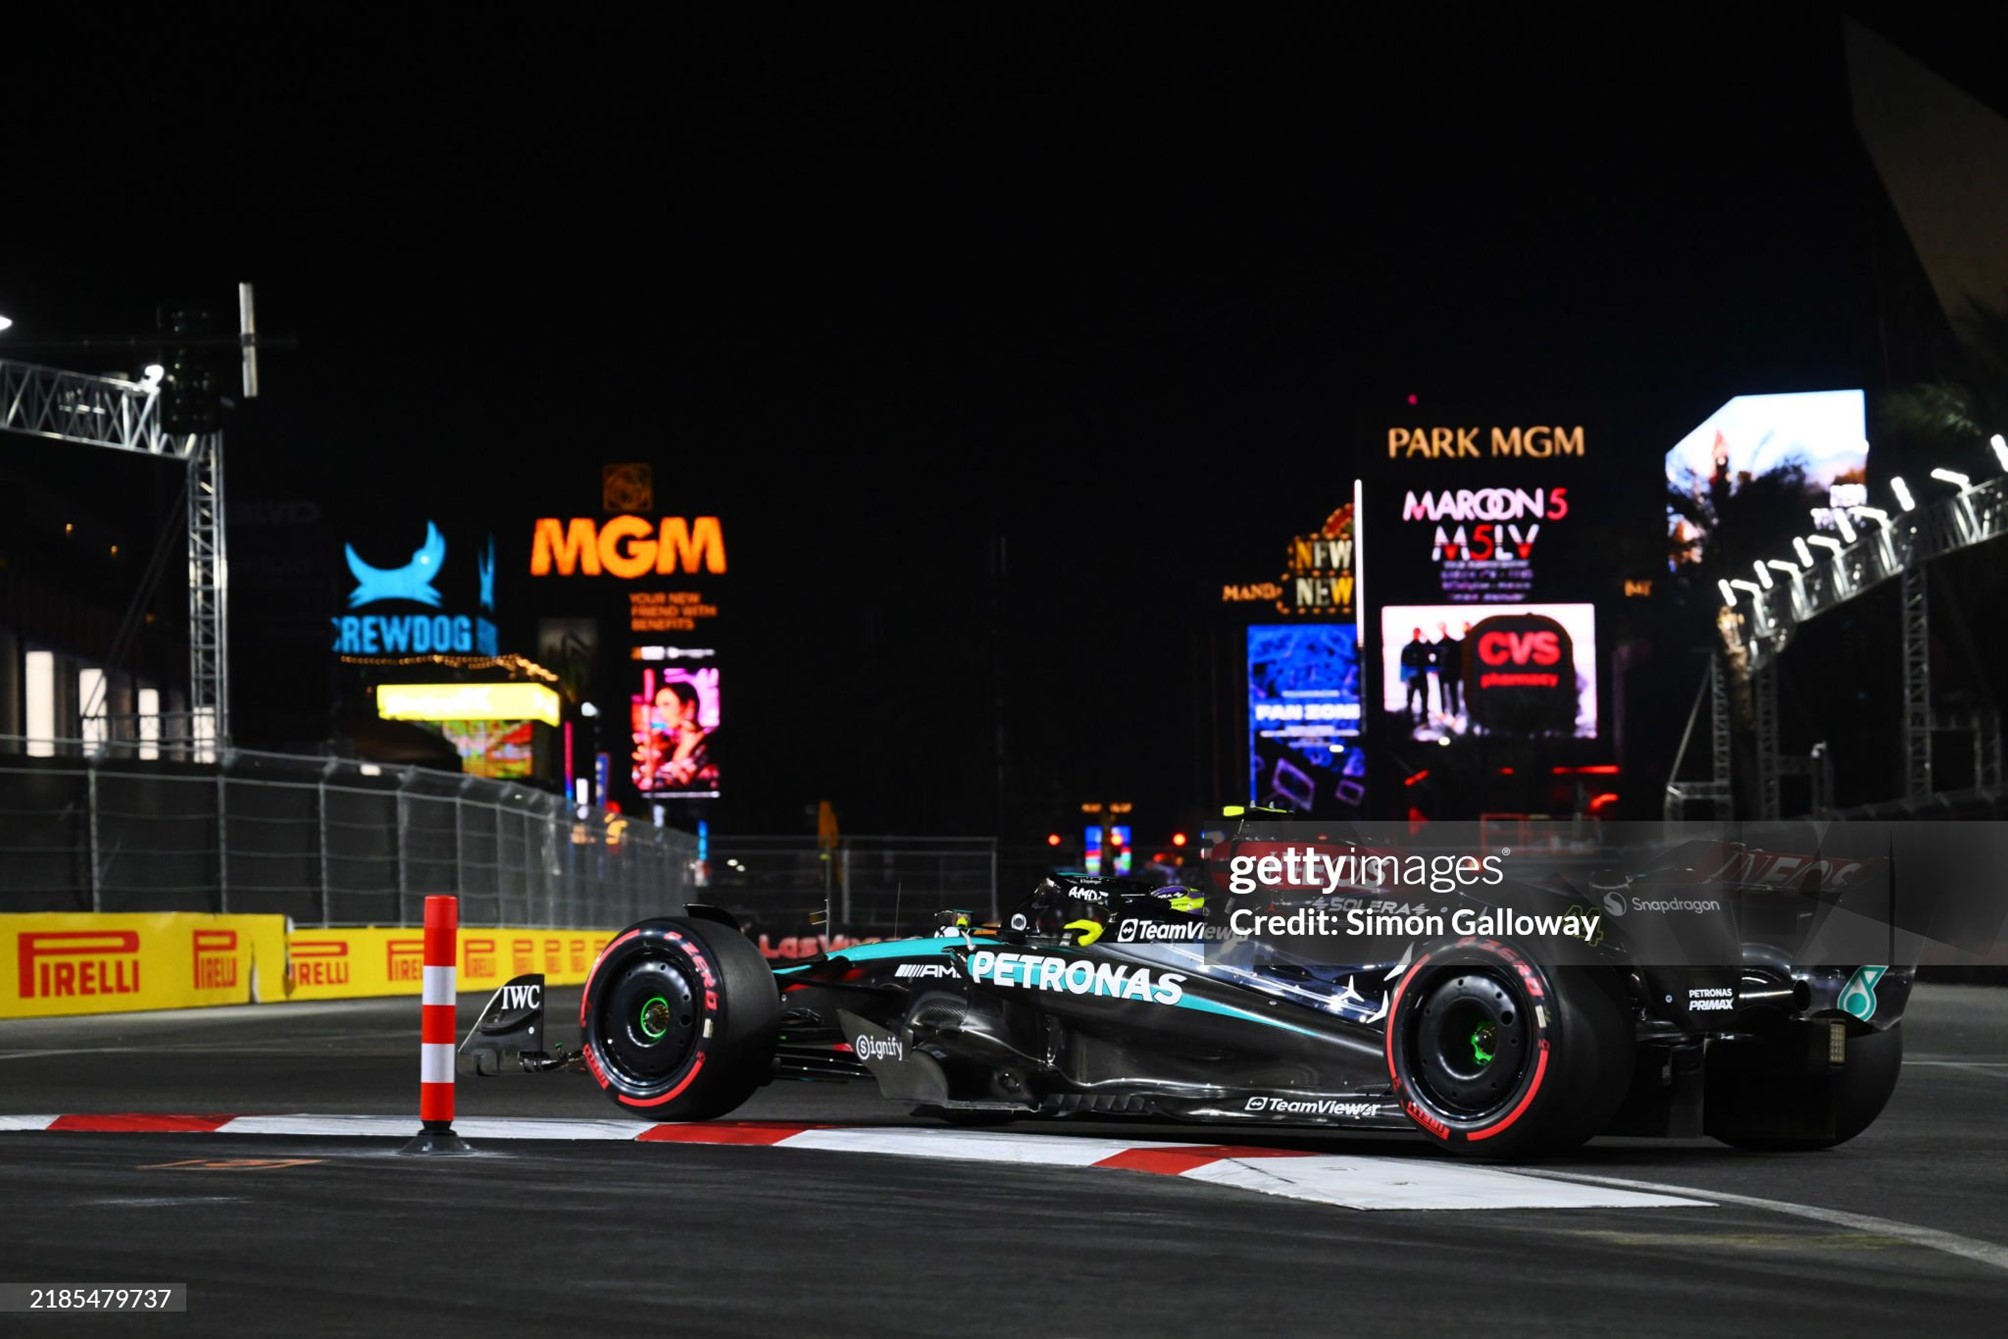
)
(412, 582)
(484, 563)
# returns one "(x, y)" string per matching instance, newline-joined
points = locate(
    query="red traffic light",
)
(1052, 839)
(1178, 839)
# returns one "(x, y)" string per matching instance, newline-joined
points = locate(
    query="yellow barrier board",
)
(360, 963)
(91, 964)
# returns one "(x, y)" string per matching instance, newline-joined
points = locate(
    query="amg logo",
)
(924, 969)
(1321, 1106)
(109, 966)
(215, 959)
(522, 997)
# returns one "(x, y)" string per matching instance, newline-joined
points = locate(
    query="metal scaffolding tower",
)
(1899, 546)
(125, 416)
(1716, 790)
(1916, 684)
(1764, 701)
(1906, 543)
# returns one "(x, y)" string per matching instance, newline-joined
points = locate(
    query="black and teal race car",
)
(1111, 997)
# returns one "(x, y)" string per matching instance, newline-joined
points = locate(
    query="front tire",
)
(1493, 1055)
(680, 1019)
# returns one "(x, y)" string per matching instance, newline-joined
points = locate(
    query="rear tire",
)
(1493, 1055)
(680, 1019)
(1743, 1105)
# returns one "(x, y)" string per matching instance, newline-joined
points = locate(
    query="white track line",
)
(25, 1122)
(1416, 1183)
(1345, 1182)
(1992, 1069)
(1967, 1248)
(470, 1127)
(969, 1145)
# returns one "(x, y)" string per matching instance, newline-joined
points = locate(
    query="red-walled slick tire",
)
(679, 1019)
(1493, 1055)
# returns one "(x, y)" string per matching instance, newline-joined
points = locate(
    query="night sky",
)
(882, 289)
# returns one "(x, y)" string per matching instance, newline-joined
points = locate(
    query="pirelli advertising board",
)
(357, 964)
(53, 965)
(90, 964)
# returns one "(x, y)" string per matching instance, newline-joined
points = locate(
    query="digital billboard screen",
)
(1509, 670)
(505, 750)
(1304, 717)
(1484, 543)
(1818, 435)
(674, 721)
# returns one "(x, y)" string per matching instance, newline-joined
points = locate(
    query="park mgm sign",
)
(1536, 442)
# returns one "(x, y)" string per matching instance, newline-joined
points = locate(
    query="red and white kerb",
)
(436, 1020)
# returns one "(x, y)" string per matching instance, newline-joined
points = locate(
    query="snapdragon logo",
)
(1686, 904)
(1321, 1106)
(1077, 976)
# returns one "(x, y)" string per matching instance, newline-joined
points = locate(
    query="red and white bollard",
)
(436, 1031)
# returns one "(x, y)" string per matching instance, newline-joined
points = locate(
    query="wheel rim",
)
(1469, 1042)
(650, 1018)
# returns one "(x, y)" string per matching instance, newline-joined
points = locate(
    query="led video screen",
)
(674, 726)
(1820, 435)
(1510, 670)
(504, 750)
(1304, 717)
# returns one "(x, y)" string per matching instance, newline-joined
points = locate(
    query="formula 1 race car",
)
(1505, 1036)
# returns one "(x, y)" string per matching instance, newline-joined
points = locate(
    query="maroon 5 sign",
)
(1482, 540)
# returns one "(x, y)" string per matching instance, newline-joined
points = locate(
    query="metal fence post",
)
(327, 889)
(96, 892)
(222, 835)
(459, 844)
(403, 850)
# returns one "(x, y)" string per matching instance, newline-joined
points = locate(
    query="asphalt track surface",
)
(1903, 1230)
